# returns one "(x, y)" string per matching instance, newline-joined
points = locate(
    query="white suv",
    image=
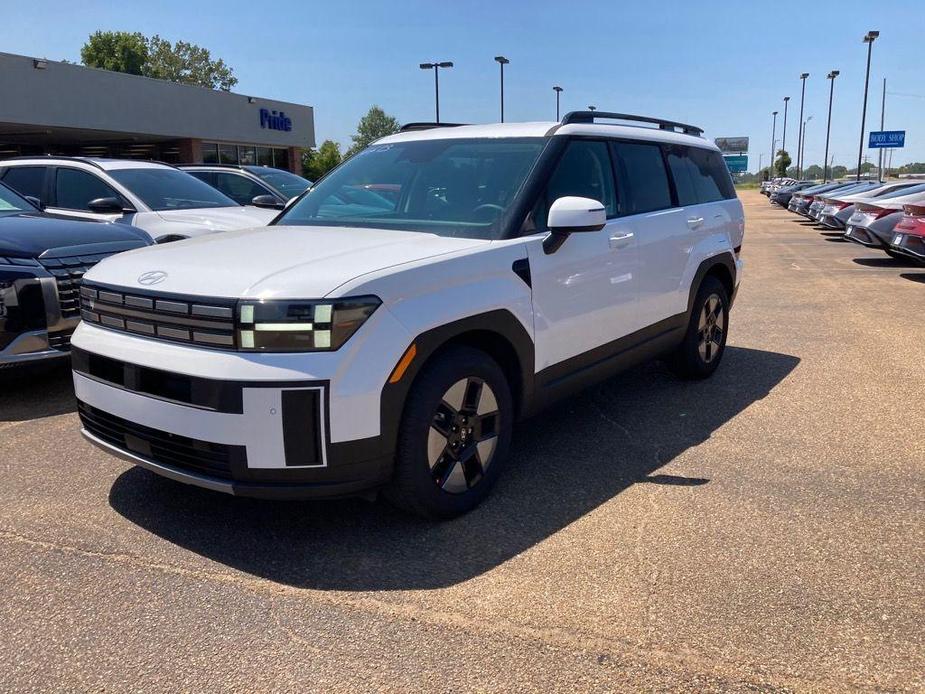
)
(164, 202)
(410, 307)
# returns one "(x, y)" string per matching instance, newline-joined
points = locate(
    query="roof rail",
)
(84, 160)
(591, 116)
(409, 127)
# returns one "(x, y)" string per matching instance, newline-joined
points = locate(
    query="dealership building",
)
(49, 107)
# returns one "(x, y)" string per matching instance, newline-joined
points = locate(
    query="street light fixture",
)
(592, 108)
(869, 39)
(828, 127)
(502, 61)
(773, 142)
(558, 90)
(436, 68)
(800, 134)
(783, 138)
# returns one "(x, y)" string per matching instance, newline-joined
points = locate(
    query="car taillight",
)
(809, 198)
(913, 221)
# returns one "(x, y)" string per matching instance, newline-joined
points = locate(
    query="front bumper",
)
(27, 348)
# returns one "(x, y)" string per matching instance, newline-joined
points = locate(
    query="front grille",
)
(205, 322)
(60, 341)
(68, 273)
(172, 450)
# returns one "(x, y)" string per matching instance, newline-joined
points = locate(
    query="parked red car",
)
(909, 233)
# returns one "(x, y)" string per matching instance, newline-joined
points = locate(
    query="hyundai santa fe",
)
(391, 326)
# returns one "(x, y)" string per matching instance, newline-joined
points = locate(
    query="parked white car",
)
(164, 202)
(410, 307)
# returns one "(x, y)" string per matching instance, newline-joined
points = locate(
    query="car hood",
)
(220, 218)
(29, 235)
(278, 261)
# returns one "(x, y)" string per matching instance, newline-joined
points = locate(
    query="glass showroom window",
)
(209, 153)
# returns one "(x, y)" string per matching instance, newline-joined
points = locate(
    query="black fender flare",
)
(725, 259)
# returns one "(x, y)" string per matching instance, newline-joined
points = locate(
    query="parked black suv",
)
(42, 260)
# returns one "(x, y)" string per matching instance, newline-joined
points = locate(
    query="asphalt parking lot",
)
(759, 531)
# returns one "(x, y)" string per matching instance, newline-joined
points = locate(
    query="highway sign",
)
(732, 145)
(881, 139)
(737, 164)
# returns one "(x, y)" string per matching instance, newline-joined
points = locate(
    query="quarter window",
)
(699, 175)
(641, 177)
(75, 189)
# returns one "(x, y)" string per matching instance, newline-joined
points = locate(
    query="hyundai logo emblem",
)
(152, 277)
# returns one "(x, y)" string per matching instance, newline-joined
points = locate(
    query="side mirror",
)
(267, 201)
(572, 215)
(34, 201)
(106, 206)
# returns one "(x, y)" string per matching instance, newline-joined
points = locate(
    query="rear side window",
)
(700, 175)
(584, 171)
(641, 177)
(26, 180)
(75, 189)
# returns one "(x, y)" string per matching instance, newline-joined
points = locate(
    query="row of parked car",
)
(59, 216)
(887, 215)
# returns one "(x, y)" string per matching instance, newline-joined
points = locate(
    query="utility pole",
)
(773, 142)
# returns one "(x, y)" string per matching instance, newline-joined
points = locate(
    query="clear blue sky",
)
(722, 65)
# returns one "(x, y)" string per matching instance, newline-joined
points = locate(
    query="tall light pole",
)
(502, 61)
(783, 138)
(869, 39)
(882, 117)
(828, 127)
(558, 90)
(436, 68)
(800, 134)
(773, 142)
(803, 144)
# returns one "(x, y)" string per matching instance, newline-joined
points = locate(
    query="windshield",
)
(287, 184)
(12, 203)
(170, 189)
(445, 187)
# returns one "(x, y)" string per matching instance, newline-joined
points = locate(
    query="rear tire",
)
(704, 343)
(454, 435)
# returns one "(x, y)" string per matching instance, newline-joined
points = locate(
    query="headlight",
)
(301, 326)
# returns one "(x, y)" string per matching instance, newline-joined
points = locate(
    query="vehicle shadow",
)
(885, 261)
(565, 463)
(32, 392)
(914, 276)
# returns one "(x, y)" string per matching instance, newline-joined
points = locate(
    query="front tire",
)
(454, 435)
(704, 343)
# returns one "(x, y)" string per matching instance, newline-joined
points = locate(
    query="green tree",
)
(156, 57)
(187, 63)
(839, 171)
(914, 167)
(119, 51)
(812, 172)
(375, 124)
(316, 163)
(782, 162)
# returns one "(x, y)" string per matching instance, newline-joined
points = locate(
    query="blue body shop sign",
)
(275, 121)
(880, 139)
(737, 163)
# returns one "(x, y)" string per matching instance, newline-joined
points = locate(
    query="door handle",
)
(694, 222)
(622, 239)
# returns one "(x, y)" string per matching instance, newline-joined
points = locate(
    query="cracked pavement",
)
(759, 531)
